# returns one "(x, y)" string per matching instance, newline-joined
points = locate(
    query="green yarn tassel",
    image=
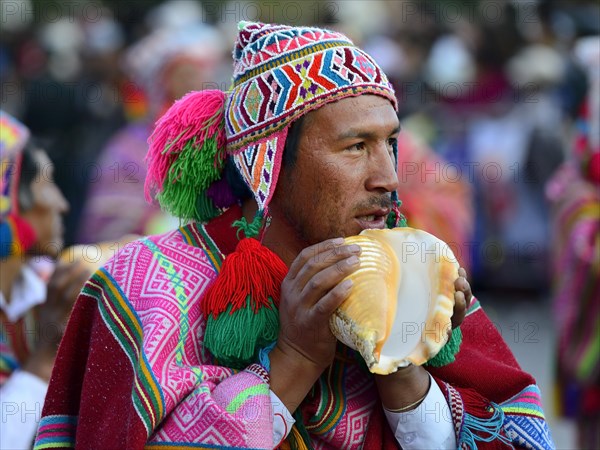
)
(395, 218)
(402, 222)
(190, 175)
(235, 338)
(252, 229)
(448, 352)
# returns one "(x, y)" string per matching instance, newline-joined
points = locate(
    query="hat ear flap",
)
(187, 154)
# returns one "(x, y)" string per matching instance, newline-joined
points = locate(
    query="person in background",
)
(162, 67)
(435, 197)
(574, 192)
(33, 310)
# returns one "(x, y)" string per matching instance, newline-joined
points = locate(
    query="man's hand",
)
(63, 288)
(310, 293)
(462, 298)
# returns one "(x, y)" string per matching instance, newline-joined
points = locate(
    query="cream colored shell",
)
(400, 306)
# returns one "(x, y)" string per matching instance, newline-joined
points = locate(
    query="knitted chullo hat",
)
(16, 235)
(280, 74)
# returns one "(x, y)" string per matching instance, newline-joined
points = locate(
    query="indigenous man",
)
(213, 335)
(32, 315)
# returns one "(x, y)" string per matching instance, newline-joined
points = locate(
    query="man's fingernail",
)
(338, 241)
(352, 260)
(347, 284)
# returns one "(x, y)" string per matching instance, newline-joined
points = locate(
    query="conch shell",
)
(400, 306)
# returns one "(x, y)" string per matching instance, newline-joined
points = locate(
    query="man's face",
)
(45, 215)
(344, 171)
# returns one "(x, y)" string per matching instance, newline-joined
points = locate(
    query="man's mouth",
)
(375, 219)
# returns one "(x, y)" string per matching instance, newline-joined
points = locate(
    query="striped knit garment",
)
(132, 372)
(576, 261)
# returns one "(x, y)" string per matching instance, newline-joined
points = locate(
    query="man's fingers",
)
(460, 284)
(66, 276)
(331, 257)
(310, 252)
(462, 297)
(463, 286)
(460, 309)
(77, 282)
(468, 294)
(60, 277)
(328, 278)
(327, 304)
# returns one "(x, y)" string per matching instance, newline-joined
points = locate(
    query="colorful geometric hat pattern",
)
(13, 137)
(16, 234)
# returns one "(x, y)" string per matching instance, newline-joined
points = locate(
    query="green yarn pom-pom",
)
(235, 338)
(448, 352)
(190, 175)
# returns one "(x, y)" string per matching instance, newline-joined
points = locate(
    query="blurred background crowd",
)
(498, 105)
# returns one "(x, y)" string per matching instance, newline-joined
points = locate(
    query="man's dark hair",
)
(30, 170)
(290, 154)
(290, 151)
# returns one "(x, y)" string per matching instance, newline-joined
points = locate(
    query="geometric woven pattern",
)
(13, 137)
(523, 423)
(528, 432)
(524, 419)
(276, 97)
(259, 165)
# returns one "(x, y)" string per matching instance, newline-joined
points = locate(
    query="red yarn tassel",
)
(483, 422)
(252, 270)
(475, 404)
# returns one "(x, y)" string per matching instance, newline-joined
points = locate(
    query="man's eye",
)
(360, 146)
(392, 141)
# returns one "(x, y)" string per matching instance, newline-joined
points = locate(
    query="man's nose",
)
(62, 204)
(383, 176)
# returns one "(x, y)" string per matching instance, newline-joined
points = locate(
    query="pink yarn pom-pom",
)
(199, 115)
